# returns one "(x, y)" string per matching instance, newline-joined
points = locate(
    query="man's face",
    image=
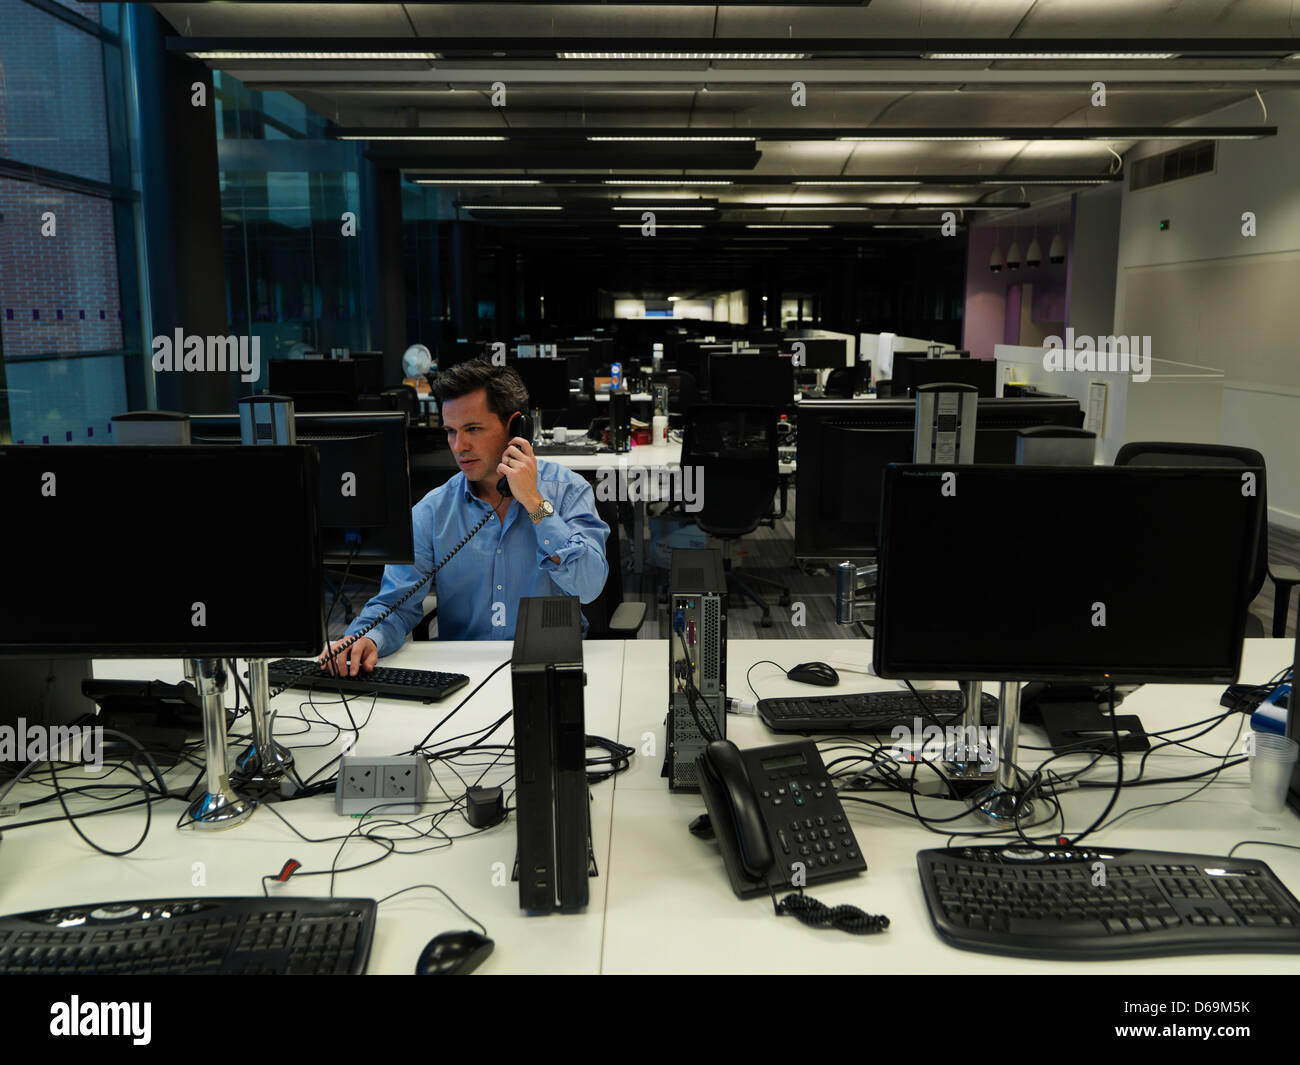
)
(476, 436)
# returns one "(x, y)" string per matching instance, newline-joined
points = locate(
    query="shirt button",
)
(544, 541)
(498, 550)
(498, 587)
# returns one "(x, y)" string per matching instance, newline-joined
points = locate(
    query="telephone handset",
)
(520, 425)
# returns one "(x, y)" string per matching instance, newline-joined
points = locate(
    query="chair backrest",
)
(735, 447)
(844, 381)
(1149, 453)
(599, 611)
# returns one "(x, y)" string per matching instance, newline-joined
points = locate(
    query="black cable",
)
(619, 760)
(1119, 774)
(148, 816)
(416, 887)
(760, 662)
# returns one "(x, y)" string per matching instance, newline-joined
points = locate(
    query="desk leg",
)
(638, 536)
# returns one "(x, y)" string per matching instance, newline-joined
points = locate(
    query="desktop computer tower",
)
(553, 816)
(697, 662)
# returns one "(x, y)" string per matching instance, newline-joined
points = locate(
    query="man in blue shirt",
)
(543, 538)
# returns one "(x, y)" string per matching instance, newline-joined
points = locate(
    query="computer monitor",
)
(370, 369)
(1100, 592)
(319, 384)
(752, 380)
(170, 561)
(910, 371)
(547, 381)
(821, 353)
(458, 351)
(365, 481)
(837, 515)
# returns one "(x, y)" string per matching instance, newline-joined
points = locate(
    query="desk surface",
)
(662, 902)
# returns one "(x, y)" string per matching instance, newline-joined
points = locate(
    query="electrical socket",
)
(380, 784)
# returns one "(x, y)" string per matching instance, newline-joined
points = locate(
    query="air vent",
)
(1185, 162)
(709, 668)
(557, 613)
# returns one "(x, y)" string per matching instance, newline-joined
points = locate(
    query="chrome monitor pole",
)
(998, 803)
(265, 763)
(218, 806)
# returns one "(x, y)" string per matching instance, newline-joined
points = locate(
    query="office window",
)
(67, 343)
(293, 258)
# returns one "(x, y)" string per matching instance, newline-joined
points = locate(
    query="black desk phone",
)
(776, 817)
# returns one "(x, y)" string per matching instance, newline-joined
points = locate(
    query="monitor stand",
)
(969, 774)
(998, 803)
(218, 806)
(263, 766)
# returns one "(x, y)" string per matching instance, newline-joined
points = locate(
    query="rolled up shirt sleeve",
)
(576, 536)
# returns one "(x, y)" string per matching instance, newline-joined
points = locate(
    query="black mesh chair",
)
(735, 447)
(844, 382)
(609, 617)
(1284, 578)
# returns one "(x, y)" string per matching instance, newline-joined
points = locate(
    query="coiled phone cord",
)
(348, 641)
(818, 915)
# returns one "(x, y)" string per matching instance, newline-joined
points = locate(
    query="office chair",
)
(1284, 578)
(735, 447)
(844, 382)
(609, 617)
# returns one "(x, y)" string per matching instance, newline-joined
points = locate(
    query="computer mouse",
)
(453, 954)
(814, 673)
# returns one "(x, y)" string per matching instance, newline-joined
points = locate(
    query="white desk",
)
(662, 901)
(670, 905)
(49, 865)
(649, 457)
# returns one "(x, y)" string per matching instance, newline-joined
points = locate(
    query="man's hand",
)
(519, 466)
(362, 655)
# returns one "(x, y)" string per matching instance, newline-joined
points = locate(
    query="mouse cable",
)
(435, 887)
(817, 914)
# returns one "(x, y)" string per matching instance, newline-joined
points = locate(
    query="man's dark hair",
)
(505, 388)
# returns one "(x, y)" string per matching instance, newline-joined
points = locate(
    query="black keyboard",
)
(868, 711)
(178, 937)
(1105, 902)
(420, 684)
(552, 450)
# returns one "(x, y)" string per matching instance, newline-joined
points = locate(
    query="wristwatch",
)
(544, 510)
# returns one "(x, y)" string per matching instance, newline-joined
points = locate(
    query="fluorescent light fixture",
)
(909, 225)
(668, 181)
(854, 184)
(1049, 56)
(1041, 181)
(936, 137)
(511, 207)
(415, 137)
(233, 53)
(673, 299)
(476, 181)
(688, 140)
(670, 225)
(664, 207)
(790, 225)
(682, 55)
(815, 207)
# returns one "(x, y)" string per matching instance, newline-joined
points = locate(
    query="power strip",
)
(396, 784)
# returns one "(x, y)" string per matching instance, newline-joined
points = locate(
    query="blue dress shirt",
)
(480, 587)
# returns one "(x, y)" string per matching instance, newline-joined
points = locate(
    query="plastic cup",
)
(1272, 759)
(559, 434)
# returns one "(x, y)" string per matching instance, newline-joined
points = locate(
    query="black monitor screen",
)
(547, 381)
(121, 551)
(910, 371)
(820, 353)
(760, 380)
(844, 447)
(319, 384)
(365, 480)
(1126, 574)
